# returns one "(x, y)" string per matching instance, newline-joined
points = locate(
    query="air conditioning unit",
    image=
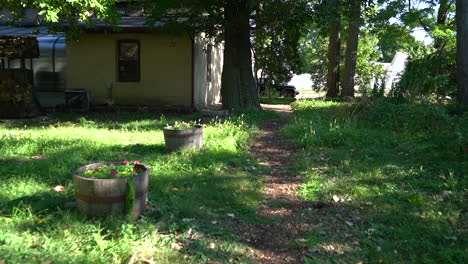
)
(77, 100)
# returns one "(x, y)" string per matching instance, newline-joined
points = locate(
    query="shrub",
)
(429, 74)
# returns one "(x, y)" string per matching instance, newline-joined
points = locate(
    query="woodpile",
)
(19, 47)
(16, 99)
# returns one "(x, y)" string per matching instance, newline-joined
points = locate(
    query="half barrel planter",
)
(180, 139)
(106, 197)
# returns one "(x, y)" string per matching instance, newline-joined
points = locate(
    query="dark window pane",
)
(129, 61)
(129, 51)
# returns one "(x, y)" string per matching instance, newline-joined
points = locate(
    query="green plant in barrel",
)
(114, 171)
(109, 188)
(183, 125)
(183, 135)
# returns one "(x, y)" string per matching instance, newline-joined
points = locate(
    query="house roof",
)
(132, 24)
(127, 24)
(38, 31)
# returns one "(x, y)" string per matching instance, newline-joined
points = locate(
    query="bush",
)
(429, 74)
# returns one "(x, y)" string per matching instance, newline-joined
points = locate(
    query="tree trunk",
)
(444, 10)
(462, 51)
(442, 13)
(334, 44)
(238, 89)
(352, 48)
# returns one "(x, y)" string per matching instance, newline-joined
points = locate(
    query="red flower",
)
(113, 172)
(136, 162)
(126, 162)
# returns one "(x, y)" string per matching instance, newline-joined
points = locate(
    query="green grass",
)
(187, 190)
(393, 177)
(277, 100)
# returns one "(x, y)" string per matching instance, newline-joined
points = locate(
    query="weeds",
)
(394, 175)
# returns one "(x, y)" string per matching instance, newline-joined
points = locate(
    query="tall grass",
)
(187, 190)
(394, 175)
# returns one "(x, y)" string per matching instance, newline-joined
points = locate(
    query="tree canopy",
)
(304, 36)
(230, 21)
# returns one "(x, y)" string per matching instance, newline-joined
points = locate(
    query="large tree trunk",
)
(352, 48)
(334, 44)
(238, 89)
(462, 51)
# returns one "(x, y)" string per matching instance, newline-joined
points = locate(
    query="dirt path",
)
(280, 240)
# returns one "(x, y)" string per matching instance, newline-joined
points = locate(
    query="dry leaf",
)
(328, 248)
(59, 188)
(336, 198)
(211, 245)
(176, 246)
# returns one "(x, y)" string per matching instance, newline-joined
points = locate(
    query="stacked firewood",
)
(16, 85)
(19, 47)
(15, 94)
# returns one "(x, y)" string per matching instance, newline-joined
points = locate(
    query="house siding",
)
(165, 63)
(207, 92)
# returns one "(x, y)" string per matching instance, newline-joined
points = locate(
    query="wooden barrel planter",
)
(180, 139)
(106, 197)
(208, 116)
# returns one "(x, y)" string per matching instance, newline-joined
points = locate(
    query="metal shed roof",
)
(40, 31)
(126, 24)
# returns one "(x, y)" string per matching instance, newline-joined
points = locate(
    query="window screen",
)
(129, 61)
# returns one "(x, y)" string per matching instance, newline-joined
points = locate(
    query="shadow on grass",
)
(204, 185)
(400, 184)
(381, 237)
(126, 120)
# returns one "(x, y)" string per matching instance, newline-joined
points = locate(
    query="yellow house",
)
(136, 66)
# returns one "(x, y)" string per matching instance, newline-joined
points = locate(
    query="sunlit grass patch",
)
(188, 190)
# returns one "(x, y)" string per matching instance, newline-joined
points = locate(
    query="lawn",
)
(388, 180)
(190, 193)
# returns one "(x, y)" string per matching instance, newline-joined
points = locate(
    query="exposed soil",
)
(280, 241)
